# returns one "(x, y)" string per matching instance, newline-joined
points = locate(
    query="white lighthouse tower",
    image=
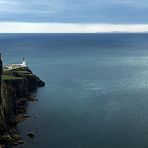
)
(24, 63)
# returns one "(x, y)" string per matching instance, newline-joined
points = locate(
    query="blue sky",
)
(111, 12)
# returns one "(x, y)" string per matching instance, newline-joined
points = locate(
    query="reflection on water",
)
(96, 89)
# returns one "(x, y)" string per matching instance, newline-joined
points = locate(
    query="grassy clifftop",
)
(16, 73)
(22, 80)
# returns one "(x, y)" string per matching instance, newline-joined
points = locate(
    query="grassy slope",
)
(7, 77)
(15, 73)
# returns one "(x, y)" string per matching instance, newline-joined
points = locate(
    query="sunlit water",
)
(96, 93)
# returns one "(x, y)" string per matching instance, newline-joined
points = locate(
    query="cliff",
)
(22, 80)
(15, 88)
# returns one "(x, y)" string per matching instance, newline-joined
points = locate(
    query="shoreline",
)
(16, 88)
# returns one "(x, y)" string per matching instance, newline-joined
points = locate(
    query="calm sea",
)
(96, 93)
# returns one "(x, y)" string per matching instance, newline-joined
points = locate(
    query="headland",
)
(17, 82)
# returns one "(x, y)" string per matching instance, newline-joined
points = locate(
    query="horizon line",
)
(27, 27)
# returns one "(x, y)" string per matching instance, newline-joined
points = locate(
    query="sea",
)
(96, 93)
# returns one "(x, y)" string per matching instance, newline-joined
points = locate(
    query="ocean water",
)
(96, 93)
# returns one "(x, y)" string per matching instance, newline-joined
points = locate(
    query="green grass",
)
(14, 74)
(7, 72)
(21, 69)
(7, 77)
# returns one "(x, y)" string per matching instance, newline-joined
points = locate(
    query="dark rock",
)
(21, 117)
(13, 130)
(41, 83)
(31, 98)
(31, 134)
(6, 138)
(15, 144)
(26, 116)
(21, 109)
(35, 116)
(21, 101)
(21, 142)
(16, 137)
(13, 94)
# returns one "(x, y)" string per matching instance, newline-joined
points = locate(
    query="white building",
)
(14, 66)
(24, 63)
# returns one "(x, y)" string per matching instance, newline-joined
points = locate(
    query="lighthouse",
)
(24, 63)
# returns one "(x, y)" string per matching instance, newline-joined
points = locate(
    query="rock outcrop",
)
(15, 88)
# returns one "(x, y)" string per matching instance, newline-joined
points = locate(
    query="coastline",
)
(16, 88)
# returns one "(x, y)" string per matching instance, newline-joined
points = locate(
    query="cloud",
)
(25, 8)
(17, 27)
(75, 11)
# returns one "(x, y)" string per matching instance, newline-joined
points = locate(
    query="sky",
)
(73, 16)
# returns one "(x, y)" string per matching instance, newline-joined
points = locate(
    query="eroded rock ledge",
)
(15, 90)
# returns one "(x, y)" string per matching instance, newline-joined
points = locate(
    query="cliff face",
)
(7, 103)
(2, 120)
(14, 85)
(7, 107)
(15, 90)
